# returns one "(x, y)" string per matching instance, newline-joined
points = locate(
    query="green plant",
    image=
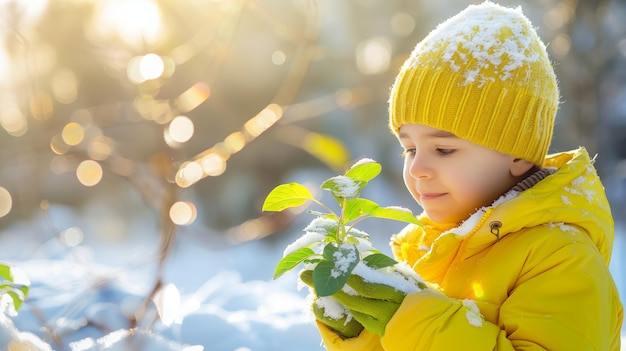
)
(331, 240)
(13, 283)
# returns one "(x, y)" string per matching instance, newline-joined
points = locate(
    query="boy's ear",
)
(519, 167)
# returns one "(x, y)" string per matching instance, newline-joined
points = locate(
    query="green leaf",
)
(379, 260)
(290, 261)
(16, 291)
(329, 251)
(343, 187)
(358, 207)
(364, 170)
(285, 196)
(395, 213)
(332, 273)
(18, 298)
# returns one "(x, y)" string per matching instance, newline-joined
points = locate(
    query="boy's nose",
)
(419, 167)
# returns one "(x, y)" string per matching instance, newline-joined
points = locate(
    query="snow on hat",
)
(483, 75)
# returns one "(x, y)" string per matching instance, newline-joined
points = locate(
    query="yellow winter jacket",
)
(535, 263)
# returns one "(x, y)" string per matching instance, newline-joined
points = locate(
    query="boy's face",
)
(452, 177)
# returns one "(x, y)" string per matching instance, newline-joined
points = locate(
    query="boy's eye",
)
(445, 151)
(408, 152)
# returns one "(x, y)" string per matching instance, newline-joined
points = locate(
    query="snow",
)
(466, 40)
(344, 258)
(221, 299)
(308, 238)
(563, 227)
(390, 277)
(363, 161)
(333, 309)
(345, 187)
(473, 313)
(566, 200)
(321, 225)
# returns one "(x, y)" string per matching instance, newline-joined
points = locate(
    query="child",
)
(515, 244)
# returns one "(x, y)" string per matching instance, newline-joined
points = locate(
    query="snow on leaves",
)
(331, 243)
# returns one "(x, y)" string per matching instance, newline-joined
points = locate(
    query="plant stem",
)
(341, 226)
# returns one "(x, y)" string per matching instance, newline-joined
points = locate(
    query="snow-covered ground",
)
(212, 299)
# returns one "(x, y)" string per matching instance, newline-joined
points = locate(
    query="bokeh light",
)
(183, 213)
(143, 68)
(263, 120)
(65, 86)
(73, 134)
(41, 106)
(58, 146)
(12, 119)
(89, 173)
(213, 164)
(100, 148)
(6, 202)
(279, 57)
(188, 174)
(193, 97)
(72, 236)
(402, 24)
(235, 142)
(180, 129)
(373, 56)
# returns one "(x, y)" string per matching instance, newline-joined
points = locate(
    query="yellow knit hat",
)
(483, 75)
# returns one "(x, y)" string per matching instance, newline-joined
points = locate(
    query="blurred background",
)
(133, 124)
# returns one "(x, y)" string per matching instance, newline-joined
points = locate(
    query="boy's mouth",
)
(430, 196)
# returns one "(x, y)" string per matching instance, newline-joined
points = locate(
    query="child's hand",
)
(371, 304)
(337, 317)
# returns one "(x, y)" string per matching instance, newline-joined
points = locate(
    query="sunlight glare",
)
(151, 66)
(137, 22)
(478, 290)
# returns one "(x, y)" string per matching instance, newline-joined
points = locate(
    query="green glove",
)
(371, 304)
(336, 317)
